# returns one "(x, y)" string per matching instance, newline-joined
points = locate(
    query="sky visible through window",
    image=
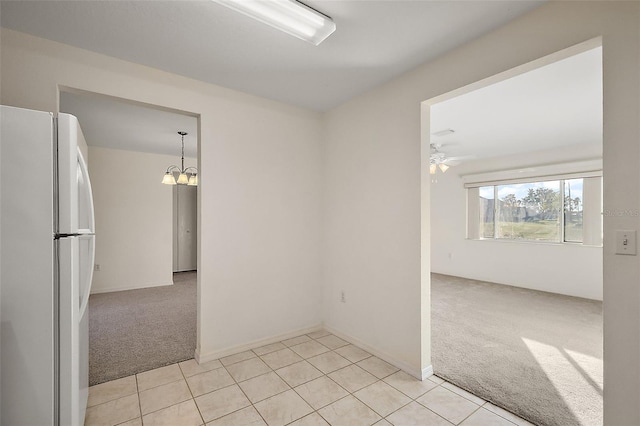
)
(520, 190)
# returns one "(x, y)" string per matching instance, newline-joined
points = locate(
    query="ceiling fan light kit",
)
(289, 16)
(433, 167)
(438, 160)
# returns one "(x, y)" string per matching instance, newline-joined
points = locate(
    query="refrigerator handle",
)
(86, 291)
(86, 198)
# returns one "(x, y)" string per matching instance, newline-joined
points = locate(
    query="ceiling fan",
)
(440, 160)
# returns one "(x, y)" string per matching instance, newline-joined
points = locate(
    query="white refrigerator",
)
(46, 265)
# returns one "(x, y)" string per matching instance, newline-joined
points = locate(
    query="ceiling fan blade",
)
(461, 157)
(442, 144)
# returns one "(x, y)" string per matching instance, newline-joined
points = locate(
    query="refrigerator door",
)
(75, 198)
(76, 257)
(27, 305)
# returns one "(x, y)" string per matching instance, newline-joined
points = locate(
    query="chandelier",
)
(188, 176)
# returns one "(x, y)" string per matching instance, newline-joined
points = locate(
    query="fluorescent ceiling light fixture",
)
(290, 16)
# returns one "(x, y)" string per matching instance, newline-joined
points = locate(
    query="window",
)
(537, 210)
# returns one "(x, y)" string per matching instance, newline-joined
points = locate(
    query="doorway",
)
(139, 320)
(473, 201)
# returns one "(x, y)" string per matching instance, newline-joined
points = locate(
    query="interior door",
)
(185, 228)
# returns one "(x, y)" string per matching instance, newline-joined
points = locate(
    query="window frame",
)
(592, 210)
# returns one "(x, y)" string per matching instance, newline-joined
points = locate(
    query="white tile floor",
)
(314, 379)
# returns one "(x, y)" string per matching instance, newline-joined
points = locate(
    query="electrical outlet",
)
(96, 267)
(343, 298)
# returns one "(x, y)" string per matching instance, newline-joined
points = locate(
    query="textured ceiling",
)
(375, 41)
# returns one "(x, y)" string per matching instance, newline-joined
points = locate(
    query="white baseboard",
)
(427, 372)
(132, 287)
(418, 374)
(210, 356)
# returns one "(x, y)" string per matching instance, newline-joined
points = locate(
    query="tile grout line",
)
(408, 396)
(470, 414)
(236, 384)
(139, 403)
(378, 381)
(111, 400)
(251, 404)
(193, 398)
(422, 405)
(155, 387)
(306, 402)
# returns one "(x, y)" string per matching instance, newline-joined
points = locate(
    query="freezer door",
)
(76, 257)
(75, 198)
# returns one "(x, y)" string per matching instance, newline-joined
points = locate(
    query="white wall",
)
(373, 172)
(372, 225)
(260, 184)
(570, 269)
(134, 214)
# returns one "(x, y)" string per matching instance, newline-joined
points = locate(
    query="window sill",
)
(532, 242)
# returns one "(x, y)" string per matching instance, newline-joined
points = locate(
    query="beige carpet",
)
(138, 330)
(536, 354)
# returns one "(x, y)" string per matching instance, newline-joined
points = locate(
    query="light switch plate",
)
(626, 242)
